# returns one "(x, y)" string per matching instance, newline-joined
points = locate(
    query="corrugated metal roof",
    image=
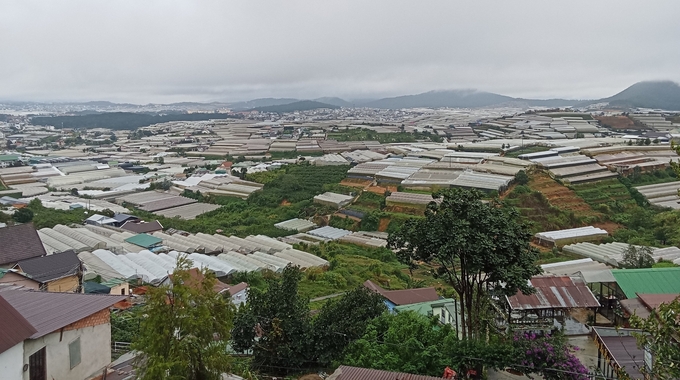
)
(48, 311)
(405, 296)
(144, 240)
(142, 227)
(649, 280)
(52, 267)
(354, 373)
(554, 293)
(19, 243)
(15, 328)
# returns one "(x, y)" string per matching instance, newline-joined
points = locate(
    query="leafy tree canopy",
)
(23, 215)
(186, 329)
(637, 257)
(661, 335)
(476, 245)
(343, 320)
(279, 317)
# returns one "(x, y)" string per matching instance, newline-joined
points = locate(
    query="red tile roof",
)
(48, 312)
(20, 242)
(553, 292)
(354, 373)
(15, 328)
(406, 296)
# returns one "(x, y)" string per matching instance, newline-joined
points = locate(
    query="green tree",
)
(412, 343)
(637, 257)
(23, 215)
(279, 317)
(521, 178)
(342, 321)
(185, 332)
(661, 336)
(477, 246)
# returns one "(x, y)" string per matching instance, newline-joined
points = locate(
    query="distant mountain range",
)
(656, 95)
(302, 105)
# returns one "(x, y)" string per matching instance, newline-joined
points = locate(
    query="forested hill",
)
(303, 105)
(659, 94)
(123, 120)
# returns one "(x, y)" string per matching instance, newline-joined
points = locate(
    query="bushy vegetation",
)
(294, 183)
(364, 134)
(123, 120)
(544, 216)
(44, 217)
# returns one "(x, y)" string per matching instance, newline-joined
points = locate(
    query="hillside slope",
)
(654, 94)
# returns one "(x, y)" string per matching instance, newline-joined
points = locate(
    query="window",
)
(74, 352)
(37, 365)
(122, 291)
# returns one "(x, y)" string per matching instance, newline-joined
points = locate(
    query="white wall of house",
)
(11, 363)
(240, 297)
(447, 316)
(95, 352)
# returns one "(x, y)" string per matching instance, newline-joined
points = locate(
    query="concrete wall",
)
(11, 363)
(13, 278)
(66, 284)
(95, 352)
(240, 297)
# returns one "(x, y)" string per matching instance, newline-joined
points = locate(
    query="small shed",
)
(333, 199)
(549, 306)
(144, 240)
(559, 238)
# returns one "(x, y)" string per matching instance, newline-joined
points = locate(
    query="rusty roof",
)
(653, 301)
(354, 373)
(558, 292)
(15, 328)
(48, 312)
(405, 296)
(20, 242)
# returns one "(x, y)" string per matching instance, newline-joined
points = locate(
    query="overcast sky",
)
(168, 51)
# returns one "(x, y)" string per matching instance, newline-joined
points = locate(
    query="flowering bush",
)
(548, 355)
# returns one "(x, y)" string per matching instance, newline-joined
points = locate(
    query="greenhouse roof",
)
(648, 280)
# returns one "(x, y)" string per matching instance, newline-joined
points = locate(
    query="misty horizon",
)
(159, 53)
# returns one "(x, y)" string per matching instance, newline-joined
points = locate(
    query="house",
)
(550, 305)
(113, 286)
(643, 305)
(140, 227)
(447, 311)
(60, 272)
(144, 241)
(403, 297)
(15, 277)
(99, 220)
(53, 335)
(355, 373)
(19, 242)
(238, 292)
(618, 353)
(122, 218)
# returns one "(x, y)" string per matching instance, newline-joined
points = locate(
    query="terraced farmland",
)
(560, 195)
(611, 193)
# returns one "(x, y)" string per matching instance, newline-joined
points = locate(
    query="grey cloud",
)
(161, 51)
